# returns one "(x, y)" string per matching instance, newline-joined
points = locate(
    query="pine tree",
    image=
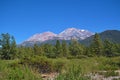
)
(75, 48)
(13, 49)
(118, 49)
(108, 48)
(58, 50)
(38, 50)
(21, 52)
(48, 49)
(5, 44)
(97, 46)
(35, 48)
(65, 50)
(8, 46)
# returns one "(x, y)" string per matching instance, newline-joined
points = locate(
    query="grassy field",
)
(67, 69)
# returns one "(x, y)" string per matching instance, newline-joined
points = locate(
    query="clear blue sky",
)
(23, 18)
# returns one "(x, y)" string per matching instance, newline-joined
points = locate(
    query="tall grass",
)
(22, 73)
(11, 70)
(68, 69)
(74, 73)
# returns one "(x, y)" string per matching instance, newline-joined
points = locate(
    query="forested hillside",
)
(111, 35)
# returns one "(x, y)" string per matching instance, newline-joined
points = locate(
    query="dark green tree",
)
(49, 50)
(36, 49)
(118, 49)
(25, 52)
(108, 48)
(13, 49)
(75, 48)
(21, 52)
(58, 50)
(65, 50)
(97, 46)
(8, 46)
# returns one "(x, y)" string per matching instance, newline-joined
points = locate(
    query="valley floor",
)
(94, 68)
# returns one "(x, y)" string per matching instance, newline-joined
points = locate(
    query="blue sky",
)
(23, 18)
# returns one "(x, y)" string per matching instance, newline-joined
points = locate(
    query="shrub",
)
(21, 73)
(59, 65)
(43, 64)
(81, 56)
(74, 73)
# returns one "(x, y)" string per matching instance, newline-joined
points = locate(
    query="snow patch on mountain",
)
(78, 34)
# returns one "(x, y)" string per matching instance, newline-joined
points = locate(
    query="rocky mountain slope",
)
(42, 37)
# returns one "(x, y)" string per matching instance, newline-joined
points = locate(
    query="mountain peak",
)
(49, 33)
(42, 36)
(67, 34)
(72, 28)
(75, 33)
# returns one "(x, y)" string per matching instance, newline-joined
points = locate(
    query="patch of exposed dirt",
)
(49, 76)
(97, 76)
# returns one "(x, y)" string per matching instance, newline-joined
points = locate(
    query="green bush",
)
(43, 64)
(59, 65)
(71, 57)
(81, 56)
(12, 70)
(74, 73)
(23, 73)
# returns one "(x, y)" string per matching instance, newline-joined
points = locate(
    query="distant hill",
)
(112, 35)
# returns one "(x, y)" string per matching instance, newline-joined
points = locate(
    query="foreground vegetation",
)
(72, 61)
(68, 69)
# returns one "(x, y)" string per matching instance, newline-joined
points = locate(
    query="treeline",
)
(73, 49)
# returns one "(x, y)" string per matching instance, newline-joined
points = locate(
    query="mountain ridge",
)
(67, 34)
(42, 36)
(112, 35)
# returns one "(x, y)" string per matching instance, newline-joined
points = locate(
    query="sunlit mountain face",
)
(67, 34)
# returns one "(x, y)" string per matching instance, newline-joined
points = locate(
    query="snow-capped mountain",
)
(42, 37)
(73, 33)
(67, 34)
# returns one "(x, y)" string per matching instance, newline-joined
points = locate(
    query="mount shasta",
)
(67, 34)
